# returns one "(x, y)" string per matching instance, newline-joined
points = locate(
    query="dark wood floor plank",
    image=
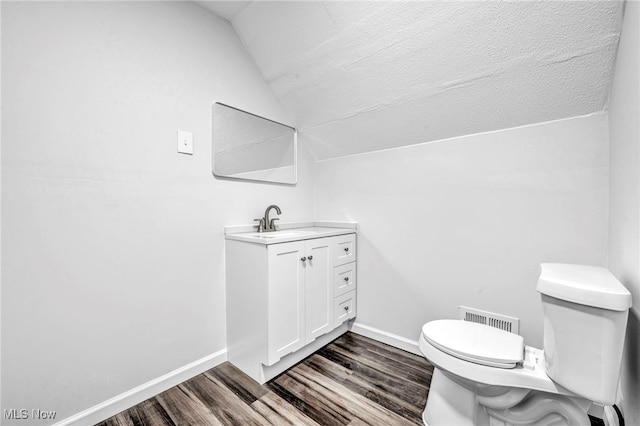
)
(279, 412)
(313, 404)
(226, 406)
(117, 420)
(359, 406)
(390, 362)
(386, 377)
(352, 381)
(184, 408)
(130, 417)
(387, 398)
(399, 355)
(151, 413)
(239, 383)
(358, 422)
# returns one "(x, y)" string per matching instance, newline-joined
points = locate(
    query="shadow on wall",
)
(631, 369)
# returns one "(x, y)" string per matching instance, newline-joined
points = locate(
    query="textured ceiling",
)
(224, 9)
(364, 76)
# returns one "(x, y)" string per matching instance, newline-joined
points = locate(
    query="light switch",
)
(185, 142)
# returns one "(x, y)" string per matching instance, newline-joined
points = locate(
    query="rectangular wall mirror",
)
(247, 146)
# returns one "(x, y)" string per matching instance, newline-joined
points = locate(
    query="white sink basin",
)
(286, 234)
(280, 234)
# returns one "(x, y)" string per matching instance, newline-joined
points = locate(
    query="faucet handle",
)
(260, 225)
(272, 225)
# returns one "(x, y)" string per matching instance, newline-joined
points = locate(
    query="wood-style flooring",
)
(352, 381)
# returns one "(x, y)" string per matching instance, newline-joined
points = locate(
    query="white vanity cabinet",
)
(282, 297)
(299, 295)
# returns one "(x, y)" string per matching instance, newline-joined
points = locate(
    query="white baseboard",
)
(388, 338)
(128, 399)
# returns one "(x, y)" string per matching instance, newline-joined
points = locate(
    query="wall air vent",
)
(502, 322)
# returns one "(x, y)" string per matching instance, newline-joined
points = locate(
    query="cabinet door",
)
(318, 288)
(286, 328)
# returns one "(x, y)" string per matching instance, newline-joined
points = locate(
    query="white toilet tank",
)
(585, 312)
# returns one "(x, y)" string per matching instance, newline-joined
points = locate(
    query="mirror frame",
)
(213, 151)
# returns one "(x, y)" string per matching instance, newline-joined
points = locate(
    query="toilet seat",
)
(475, 342)
(530, 373)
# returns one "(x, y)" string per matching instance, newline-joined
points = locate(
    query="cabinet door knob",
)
(346, 278)
(346, 308)
(303, 258)
(346, 249)
(310, 257)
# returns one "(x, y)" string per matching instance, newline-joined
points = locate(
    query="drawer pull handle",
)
(346, 279)
(310, 257)
(346, 249)
(303, 258)
(346, 308)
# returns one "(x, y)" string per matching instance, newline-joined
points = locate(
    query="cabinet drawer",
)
(344, 249)
(344, 279)
(344, 308)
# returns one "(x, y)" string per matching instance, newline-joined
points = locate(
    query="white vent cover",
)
(491, 319)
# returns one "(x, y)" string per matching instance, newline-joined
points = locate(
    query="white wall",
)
(624, 253)
(466, 221)
(112, 262)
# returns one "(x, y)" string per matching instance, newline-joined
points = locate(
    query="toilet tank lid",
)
(586, 285)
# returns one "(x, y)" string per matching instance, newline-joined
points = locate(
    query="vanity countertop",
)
(289, 232)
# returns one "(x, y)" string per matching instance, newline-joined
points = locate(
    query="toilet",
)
(487, 376)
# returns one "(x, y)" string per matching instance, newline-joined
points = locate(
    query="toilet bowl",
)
(487, 376)
(468, 390)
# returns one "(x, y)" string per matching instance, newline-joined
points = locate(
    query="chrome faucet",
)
(265, 224)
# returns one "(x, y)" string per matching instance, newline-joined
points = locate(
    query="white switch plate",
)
(185, 142)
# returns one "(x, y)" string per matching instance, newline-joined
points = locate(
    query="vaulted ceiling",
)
(365, 76)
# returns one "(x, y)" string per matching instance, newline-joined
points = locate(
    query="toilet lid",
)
(475, 342)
